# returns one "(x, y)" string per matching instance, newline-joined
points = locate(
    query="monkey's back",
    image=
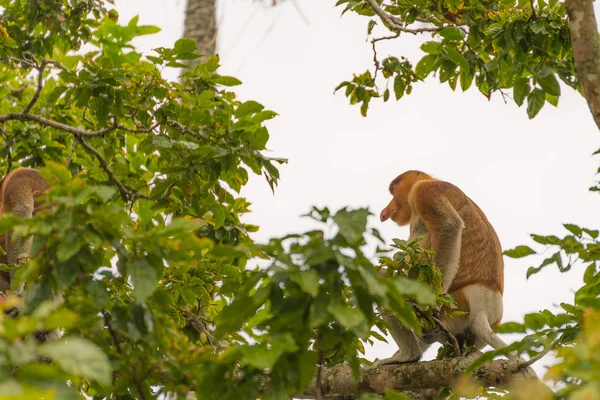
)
(481, 259)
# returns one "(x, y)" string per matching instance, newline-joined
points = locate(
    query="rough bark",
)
(339, 382)
(201, 25)
(586, 51)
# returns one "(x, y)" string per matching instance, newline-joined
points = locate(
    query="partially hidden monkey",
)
(467, 252)
(19, 191)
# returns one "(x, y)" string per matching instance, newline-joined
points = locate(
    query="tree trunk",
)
(201, 25)
(586, 51)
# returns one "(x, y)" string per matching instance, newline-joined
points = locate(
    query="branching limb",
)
(395, 24)
(451, 338)
(127, 193)
(40, 86)
(541, 354)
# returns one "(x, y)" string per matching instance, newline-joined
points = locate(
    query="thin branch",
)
(115, 340)
(73, 147)
(55, 124)
(127, 194)
(451, 338)
(538, 356)
(533, 14)
(40, 86)
(113, 335)
(395, 24)
(488, 73)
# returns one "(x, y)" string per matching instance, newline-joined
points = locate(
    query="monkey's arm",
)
(445, 226)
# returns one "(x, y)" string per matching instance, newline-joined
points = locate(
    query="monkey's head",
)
(399, 210)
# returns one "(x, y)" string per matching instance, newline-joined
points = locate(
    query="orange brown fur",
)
(480, 252)
(18, 195)
(467, 251)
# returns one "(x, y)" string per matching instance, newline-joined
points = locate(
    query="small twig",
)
(375, 60)
(112, 332)
(127, 194)
(451, 338)
(527, 363)
(73, 147)
(115, 340)
(319, 383)
(40, 86)
(533, 14)
(488, 73)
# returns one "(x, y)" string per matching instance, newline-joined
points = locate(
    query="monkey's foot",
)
(393, 361)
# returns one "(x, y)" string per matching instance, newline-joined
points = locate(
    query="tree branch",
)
(40, 86)
(338, 381)
(586, 51)
(395, 24)
(127, 193)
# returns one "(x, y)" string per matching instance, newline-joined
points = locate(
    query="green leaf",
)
(144, 279)
(425, 66)
(422, 293)
(521, 90)
(307, 280)
(393, 395)
(318, 314)
(249, 107)
(592, 232)
(386, 95)
(549, 84)
(457, 58)
(452, 33)
(188, 295)
(352, 224)
(511, 327)
(227, 81)
(535, 102)
(534, 321)
(574, 229)
(432, 47)
(519, 252)
(350, 318)
(399, 87)
(79, 357)
(239, 311)
(307, 363)
(184, 45)
(370, 27)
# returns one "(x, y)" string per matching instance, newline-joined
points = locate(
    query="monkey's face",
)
(399, 209)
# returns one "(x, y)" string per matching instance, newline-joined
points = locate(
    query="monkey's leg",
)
(410, 347)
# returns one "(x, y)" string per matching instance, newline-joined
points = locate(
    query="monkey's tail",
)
(483, 331)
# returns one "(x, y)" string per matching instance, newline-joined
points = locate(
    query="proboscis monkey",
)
(467, 251)
(18, 193)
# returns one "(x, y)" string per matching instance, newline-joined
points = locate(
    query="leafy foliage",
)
(141, 259)
(496, 45)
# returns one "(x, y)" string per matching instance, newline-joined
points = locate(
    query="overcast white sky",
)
(528, 176)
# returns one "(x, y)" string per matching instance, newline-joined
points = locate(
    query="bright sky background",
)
(528, 176)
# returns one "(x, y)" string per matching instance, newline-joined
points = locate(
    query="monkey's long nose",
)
(385, 215)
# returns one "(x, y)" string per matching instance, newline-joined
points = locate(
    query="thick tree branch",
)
(586, 51)
(339, 381)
